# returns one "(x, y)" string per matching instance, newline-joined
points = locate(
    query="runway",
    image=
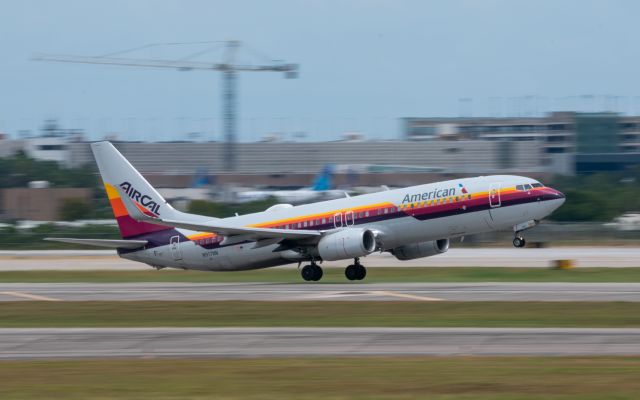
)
(321, 292)
(52, 343)
(13, 260)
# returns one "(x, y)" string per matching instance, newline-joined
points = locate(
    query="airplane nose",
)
(559, 198)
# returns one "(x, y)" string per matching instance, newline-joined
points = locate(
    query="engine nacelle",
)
(347, 243)
(421, 249)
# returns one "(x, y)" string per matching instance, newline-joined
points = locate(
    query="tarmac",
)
(553, 291)
(16, 260)
(70, 343)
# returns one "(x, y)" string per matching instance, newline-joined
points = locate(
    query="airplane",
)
(412, 222)
(320, 190)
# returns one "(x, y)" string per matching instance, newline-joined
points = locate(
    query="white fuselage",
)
(399, 217)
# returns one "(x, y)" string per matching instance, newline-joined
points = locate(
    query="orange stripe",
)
(329, 214)
(118, 207)
(326, 214)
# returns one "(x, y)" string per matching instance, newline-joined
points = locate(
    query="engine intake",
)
(347, 243)
(421, 249)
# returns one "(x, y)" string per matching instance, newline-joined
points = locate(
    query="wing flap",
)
(109, 243)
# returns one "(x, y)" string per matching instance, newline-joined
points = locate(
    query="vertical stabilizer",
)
(323, 180)
(116, 171)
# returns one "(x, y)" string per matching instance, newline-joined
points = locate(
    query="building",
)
(460, 157)
(559, 132)
(590, 142)
(43, 204)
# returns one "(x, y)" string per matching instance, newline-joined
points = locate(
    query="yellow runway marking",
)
(406, 296)
(29, 296)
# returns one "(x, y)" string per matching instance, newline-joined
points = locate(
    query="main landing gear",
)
(355, 271)
(311, 272)
(519, 241)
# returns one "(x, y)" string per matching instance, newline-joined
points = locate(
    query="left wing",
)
(221, 229)
(109, 243)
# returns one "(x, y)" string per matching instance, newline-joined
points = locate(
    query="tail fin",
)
(117, 171)
(323, 180)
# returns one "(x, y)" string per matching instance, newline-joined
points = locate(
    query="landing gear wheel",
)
(311, 272)
(362, 272)
(318, 273)
(519, 241)
(355, 272)
(351, 272)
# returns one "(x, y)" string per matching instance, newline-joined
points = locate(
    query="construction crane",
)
(228, 67)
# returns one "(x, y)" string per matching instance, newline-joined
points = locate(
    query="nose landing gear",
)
(311, 272)
(356, 271)
(518, 241)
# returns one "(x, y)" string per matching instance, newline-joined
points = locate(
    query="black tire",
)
(318, 273)
(308, 273)
(362, 272)
(518, 242)
(351, 272)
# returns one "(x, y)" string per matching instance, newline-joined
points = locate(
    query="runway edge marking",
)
(29, 296)
(405, 296)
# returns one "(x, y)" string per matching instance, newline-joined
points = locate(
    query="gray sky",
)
(364, 63)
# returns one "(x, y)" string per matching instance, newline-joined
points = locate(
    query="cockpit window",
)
(520, 188)
(528, 187)
(537, 185)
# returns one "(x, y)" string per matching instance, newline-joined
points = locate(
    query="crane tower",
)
(228, 67)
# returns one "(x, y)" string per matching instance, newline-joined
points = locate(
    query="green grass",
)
(318, 314)
(437, 378)
(336, 275)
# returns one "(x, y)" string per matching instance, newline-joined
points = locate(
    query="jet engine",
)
(347, 243)
(421, 249)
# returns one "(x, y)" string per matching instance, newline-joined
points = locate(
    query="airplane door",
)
(494, 195)
(493, 218)
(175, 248)
(337, 220)
(349, 218)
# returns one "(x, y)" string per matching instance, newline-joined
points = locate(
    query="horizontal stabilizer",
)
(112, 244)
(218, 228)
